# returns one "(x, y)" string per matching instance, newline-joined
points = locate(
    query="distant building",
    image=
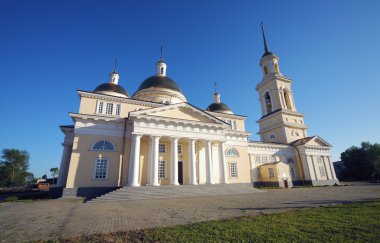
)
(156, 137)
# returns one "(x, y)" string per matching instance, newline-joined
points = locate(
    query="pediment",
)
(181, 111)
(317, 141)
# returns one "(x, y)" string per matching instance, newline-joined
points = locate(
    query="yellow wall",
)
(243, 165)
(82, 163)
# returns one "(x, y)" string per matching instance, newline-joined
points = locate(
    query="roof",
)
(159, 82)
(218, 107)
(303, 141)
(110, 87)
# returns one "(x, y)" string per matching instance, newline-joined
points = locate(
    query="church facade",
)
(156, 137)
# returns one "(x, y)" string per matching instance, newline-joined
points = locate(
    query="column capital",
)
(137, 135)
(174, 138)
(154, 137)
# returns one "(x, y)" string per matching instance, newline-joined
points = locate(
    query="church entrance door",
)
(180, 172)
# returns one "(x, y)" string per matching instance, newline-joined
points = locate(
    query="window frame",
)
(162, 145)
(233, 175)
(109, 108)
(235, 153)
(161, 164)
(106, 168)
(271, 173)
(179, 148)
(104, 150)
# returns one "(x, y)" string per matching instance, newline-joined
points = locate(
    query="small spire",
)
(115, 66)
(265, 42)
(216, 95)
(161, 53)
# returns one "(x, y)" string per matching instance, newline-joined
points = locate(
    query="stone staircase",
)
(152, 192)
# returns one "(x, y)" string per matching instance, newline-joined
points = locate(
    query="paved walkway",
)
(25, 221)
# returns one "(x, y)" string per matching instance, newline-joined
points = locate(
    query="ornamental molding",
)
(225, 115)
(152, 91)
(281, 124)
(197, 111)
(272, 76)
(118, 99)
(108, 118)
(175, 124)
(282, 112)
(267, 146)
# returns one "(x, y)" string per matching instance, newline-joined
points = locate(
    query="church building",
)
(155, 137)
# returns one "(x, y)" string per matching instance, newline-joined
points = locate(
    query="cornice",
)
(117, 99)
(132, 117)
(271, 77)
(267, 145)
(224, 115)
(75, 116)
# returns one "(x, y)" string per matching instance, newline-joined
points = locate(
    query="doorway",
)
(180, 172)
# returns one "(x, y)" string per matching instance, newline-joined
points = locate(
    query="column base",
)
(133, 185)
(174, 184)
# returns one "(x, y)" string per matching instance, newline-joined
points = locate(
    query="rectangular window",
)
(109, 108)
(235, 127)
(162, 148)
(117, 110)
(100, 106)
(271, 173)
(319, 160)
(161, 169)
(258, 173)
(292, 172)
(322, 171)
(101, 168)
(265, 159)
(257, 159)
(233, 170)
(272, 158)
(179, 148)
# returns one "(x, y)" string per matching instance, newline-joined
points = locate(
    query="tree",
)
(44, 177)
(361, 163)
(54, 172)
(14, 164)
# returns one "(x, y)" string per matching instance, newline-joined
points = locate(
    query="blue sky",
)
(49, 49)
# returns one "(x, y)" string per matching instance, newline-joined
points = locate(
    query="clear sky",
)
(49, 49)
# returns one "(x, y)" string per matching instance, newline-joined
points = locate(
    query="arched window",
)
(287, 100)
(266, 70)
(276, 68)
(272, 136)
(268, 102)
(103, 145)
(162, 70)
(231, 152)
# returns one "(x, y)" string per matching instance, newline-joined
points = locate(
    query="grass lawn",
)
(356, 222)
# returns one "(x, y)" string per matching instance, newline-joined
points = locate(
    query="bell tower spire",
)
(265, 41)
(280, 121)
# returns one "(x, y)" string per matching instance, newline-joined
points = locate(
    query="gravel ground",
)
(54, 219)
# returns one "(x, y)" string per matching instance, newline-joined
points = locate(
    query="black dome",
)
(218, 107)
(159, 82)
(111, 87)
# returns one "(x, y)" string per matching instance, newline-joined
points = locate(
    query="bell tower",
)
(280, 121)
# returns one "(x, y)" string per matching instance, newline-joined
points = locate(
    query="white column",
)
(222, 163)
(155, 140)
(134, 162)
(174, 162)
(192, 165)
(64, 167)
(332, 168)
(326, 168)
(209, 177)
(315, 170)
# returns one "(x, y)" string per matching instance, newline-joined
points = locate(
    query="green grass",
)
(357, 222)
